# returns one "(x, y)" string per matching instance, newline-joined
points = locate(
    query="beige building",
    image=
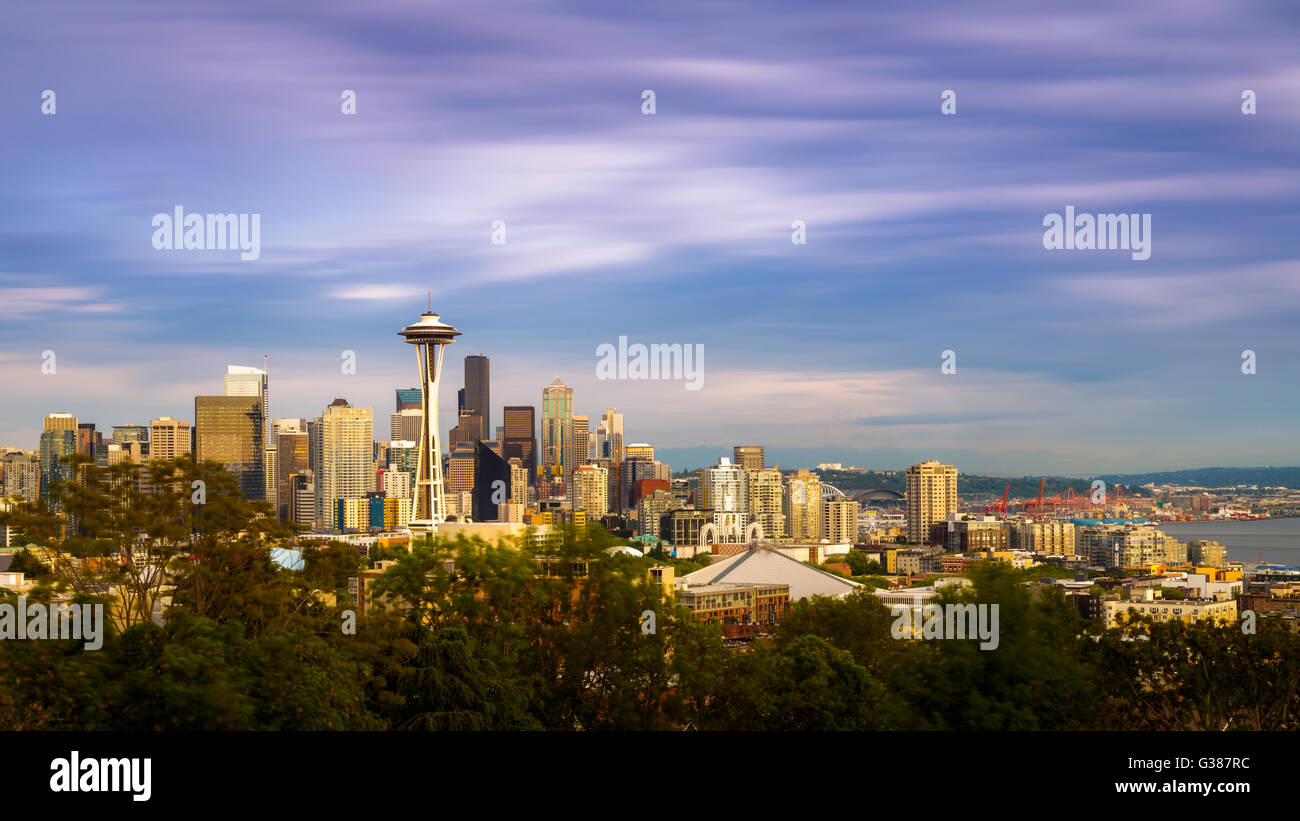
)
(931, 498)
(803, 506)
(1144, 603)
(1119, 546)
(749, 457)
(591, 490)
(650, 511)
(766, 497)
(346, 467)
(1207, 553)
(1043, 536)
(840, 520)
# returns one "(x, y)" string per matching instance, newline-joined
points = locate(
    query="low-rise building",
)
(1145, 603)
(736, 602)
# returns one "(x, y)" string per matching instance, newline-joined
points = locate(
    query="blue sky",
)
(924, 231)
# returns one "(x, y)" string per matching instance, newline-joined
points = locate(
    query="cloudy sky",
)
(924, 230)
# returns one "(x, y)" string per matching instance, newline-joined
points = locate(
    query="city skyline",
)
(924, 231)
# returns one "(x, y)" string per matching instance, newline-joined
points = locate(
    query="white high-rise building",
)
(242, 380)
(726, 492)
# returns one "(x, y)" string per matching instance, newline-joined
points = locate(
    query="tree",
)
(806, 684)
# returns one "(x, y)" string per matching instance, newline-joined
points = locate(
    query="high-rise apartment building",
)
(767, 500)
(557, 430)
(478, 397)
(228, 429)
(931, 498)
(726, 492)
(1042, 536)
(346, 459)
(1207, 553)
(591, 490)
(168, 438)
(803, 506)
(749, 457)
(22, 476)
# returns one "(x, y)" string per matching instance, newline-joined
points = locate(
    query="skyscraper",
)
(469, 428)
(58, 442)
(840, 520)
(293, 459)
(609, 436)
(767, 500)
(477, 394)
(803, 506)
(228, 429)
(749, 457)
(404, 425)
(931, 497)
(242, 380)
(347, 446)
(581, 440)
(168, 438)
(22, 476)
(591, 490)
(557, 429)
(129, 433)
(520, 440)
(408, 399)
(491, 483)
(726, 491)
(87, 439)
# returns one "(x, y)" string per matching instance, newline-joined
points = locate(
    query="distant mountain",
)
(1288, 477)
(1025, 486)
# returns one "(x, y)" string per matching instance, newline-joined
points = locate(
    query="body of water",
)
(1249, 540)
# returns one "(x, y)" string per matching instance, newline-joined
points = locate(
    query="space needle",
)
(430, 336)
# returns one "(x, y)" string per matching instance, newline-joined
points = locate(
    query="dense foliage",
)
(467, 636)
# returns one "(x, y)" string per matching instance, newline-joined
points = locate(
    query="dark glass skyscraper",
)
(477, 396)
(228, 429)
(521, 436)
(491, 476)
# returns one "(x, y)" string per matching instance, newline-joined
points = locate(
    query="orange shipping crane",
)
(999, 506)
